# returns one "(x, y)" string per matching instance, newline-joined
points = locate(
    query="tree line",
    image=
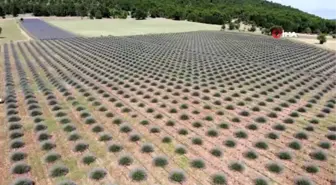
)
(259, 13)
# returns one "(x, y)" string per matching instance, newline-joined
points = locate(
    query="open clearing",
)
(201, 108)
(330, 44)
(10, 31)
(122, 27)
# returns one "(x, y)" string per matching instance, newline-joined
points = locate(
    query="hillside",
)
(260, 12)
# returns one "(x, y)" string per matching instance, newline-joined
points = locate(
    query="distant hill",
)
(262, 13)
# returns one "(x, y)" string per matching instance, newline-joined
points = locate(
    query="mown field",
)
(10, 31)
(125, 27)
(185, 108)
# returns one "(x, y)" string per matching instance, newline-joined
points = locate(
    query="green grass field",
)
(10, 31)
(123, 27)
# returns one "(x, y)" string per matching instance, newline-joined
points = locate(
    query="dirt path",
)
(4, 166)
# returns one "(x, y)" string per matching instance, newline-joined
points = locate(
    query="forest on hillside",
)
(260, 13)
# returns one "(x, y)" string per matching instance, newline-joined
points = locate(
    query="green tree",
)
(213, 17)
(192, 16)
(140, 14)
(123, 15)
(117, 13)
(266, 31)
(70, 9)
(252, 29)
(105, 12)
(98, 14)
(322, 38)
(237, 26)
(41, 10)
(223, 27)
(15, 10)
(2, 12)
(58, 9)
(317, 31)
(82, 10)
(37, 10)
(177, 14)
(155, 12)
(113, 12)
(92, 14)
(308, 30)
(45, 10)
(126, 5)
(231, 26)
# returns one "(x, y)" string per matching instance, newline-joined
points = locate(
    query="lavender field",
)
(203, 107)
(39, 29)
